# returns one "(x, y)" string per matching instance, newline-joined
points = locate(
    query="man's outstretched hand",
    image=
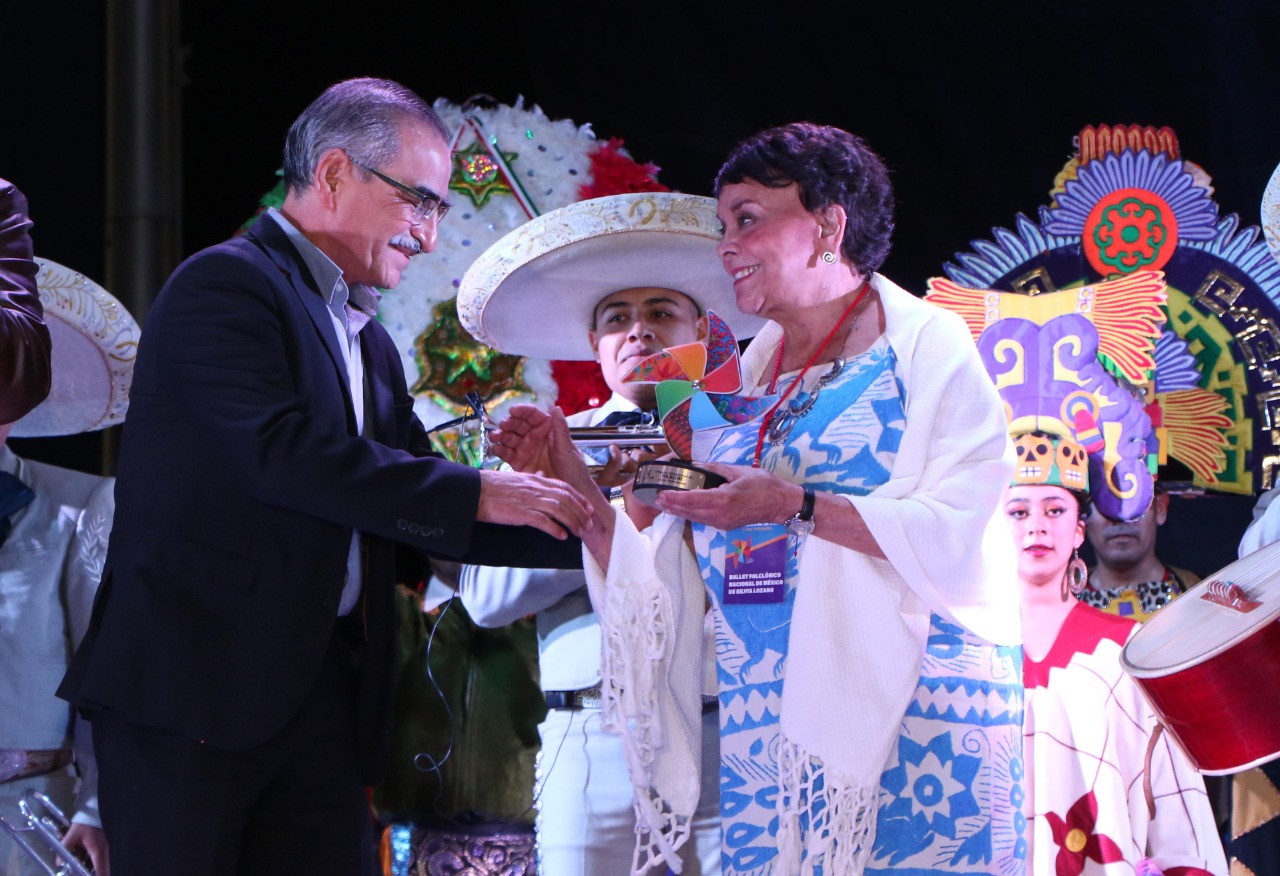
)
(529, 499)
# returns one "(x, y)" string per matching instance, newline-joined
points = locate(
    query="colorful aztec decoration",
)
(511, 163)
(1053, 382)
(1129, 213)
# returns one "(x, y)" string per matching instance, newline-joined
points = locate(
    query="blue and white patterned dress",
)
(951, 792)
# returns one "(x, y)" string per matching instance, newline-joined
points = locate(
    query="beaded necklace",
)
(826, 378)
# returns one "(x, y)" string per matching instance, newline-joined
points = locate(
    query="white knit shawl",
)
(860, 622)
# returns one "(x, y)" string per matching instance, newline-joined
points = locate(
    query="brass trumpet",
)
(647, 433)
(641, 435)
(42, 835)
(593, 437)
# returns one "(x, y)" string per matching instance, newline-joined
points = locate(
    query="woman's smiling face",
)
(1046, 528)
(770, 248)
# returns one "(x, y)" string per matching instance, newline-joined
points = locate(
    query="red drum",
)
(1209, 663)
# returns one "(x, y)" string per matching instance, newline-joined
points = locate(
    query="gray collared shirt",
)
(350, 309)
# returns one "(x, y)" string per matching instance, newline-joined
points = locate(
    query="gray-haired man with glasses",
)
(238, 664)
(428, 203)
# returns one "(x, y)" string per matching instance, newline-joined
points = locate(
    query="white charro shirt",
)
(50, 567)
(568, 633)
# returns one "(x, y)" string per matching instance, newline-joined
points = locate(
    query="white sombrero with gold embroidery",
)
(533, 293)
(94, 341)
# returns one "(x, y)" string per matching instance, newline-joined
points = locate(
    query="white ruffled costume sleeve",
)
(82, 573)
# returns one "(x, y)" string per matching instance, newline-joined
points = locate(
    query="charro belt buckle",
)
(589, 698)
(13, 763)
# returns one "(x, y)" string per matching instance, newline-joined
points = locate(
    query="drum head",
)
(1209, 618)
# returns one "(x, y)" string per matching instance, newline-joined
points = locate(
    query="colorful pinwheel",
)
(697, 386)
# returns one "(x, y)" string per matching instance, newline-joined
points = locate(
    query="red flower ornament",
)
(1076, 839)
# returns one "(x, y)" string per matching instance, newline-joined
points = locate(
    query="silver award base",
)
(671, 474)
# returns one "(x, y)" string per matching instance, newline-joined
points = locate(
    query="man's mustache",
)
(1117, 529)
(407, 241)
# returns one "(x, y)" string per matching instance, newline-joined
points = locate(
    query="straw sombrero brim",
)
(533, 293)
(94, 342)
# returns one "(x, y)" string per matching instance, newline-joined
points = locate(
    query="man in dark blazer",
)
(237, 663)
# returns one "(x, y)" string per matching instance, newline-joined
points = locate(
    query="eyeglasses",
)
(426, 204)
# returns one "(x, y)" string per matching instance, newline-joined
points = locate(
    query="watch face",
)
(799, 526)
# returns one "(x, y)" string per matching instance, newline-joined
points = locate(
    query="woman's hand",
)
(566, 462)
(531, 440)
(642, 514)
(750, 496)
(755, 496)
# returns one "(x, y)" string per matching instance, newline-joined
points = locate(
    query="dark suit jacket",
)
(24, 338)
(240, 481)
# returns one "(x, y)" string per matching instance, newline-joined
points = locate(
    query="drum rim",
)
(1150, 672)
(1230, 771)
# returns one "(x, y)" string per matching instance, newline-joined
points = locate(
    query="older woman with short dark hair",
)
(828, 166)
(870, 701)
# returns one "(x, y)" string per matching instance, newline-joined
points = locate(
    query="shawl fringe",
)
(634, 647)
(841, 817)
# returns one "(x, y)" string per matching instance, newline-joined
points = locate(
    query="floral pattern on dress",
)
(952, 801)
(1078, 840)
(955, 785)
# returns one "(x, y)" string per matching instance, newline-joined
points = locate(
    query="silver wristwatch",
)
(802, 523)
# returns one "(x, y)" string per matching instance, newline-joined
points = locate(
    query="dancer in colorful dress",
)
(1088, 728)
(871, 702)
(1105, 793)
(1130, 580)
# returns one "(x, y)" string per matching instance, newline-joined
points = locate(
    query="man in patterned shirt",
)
(1129, 579)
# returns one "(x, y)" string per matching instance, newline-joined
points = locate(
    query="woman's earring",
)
(829, 257)
(1077, 574)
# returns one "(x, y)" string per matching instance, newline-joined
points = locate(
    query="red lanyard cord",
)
(777, 366)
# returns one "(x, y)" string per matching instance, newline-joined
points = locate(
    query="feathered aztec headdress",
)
(1052, 382)
(1184, 302)
(1045, 354)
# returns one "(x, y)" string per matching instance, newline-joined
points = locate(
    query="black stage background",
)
(973, 105)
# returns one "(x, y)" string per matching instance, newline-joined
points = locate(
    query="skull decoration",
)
(1035, 458)
(1073, 465)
